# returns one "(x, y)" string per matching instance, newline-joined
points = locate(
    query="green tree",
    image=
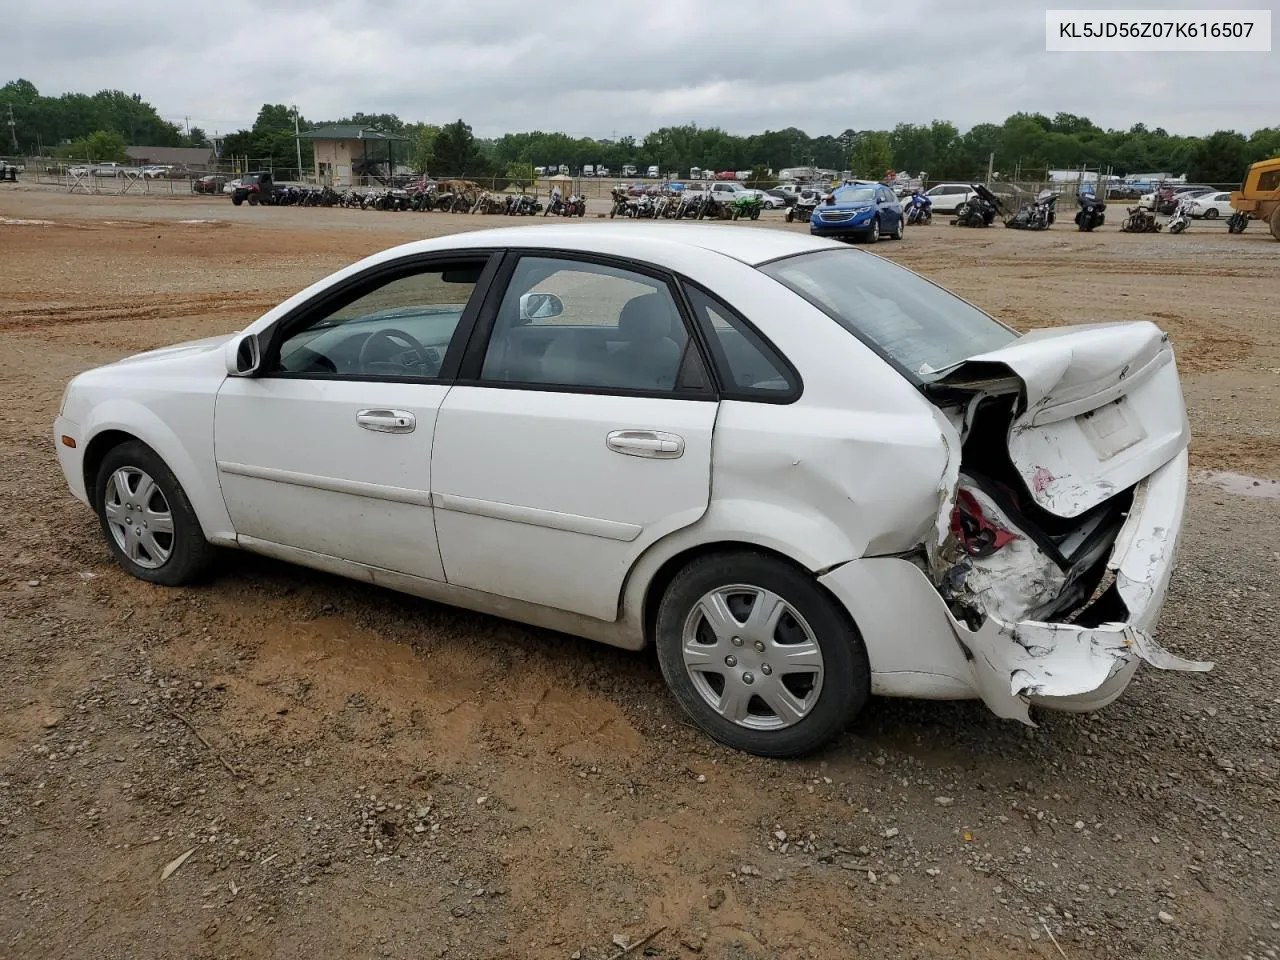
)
(1220, 158)
(422, 141)
(520, 174)
(872, 155)
(456, 154)
(97, 147)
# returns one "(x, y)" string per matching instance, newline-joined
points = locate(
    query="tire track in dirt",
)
(135, 309)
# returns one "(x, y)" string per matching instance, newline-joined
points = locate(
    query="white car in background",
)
(231, 186)
(949, 197)
(1210, 206)
(802, 472)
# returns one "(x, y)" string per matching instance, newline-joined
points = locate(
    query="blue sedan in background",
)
(858, 211)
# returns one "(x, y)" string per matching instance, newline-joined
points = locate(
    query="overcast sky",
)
(605, 67)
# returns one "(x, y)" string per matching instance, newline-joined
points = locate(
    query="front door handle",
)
(387, 421)
(645, 443)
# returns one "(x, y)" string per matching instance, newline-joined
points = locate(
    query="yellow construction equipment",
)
(1259, 195)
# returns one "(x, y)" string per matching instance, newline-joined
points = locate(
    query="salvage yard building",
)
(349, 155)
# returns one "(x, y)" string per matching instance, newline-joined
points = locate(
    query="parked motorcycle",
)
(1140, 220)
(746, 207)
(802, 209)
(1181, 218)
(1092, 212)
(918, 209)
(980, 210)
(619, 198)
(1039, 214)
(1238, 222)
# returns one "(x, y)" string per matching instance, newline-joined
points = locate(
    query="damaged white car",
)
(805, 474)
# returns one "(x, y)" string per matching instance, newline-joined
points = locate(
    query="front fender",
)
(183, 458)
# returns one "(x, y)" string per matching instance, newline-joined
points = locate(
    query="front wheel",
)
(253, 199)
(759, 655)
(149, 524)
(873, 235)
(790, 215)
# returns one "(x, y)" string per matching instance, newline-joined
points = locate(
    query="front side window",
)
(401, 329)
(920, 327)
(587, 325)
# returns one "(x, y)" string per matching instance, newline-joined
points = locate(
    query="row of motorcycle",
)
(983, 207)
(462, 197)
(981, 210)
(680, 205)
(1142, 220)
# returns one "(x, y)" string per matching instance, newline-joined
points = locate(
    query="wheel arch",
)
(95, 452)
(121, 421)
(654, 571)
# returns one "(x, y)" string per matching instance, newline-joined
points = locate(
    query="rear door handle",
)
(387, 421)
(645, 443)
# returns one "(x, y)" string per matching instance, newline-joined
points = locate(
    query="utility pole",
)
(186, 122)
(296, 142)
(991, 164)
(13, 130)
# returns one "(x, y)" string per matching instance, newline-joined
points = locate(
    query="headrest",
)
(646, 317)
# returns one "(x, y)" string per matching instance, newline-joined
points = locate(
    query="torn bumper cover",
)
(1064, 666)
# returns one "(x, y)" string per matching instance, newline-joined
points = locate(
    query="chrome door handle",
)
(387, 421)
(645, 443)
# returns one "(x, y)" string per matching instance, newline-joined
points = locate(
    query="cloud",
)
(596, 69)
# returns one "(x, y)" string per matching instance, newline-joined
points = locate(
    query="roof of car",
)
(641, 240)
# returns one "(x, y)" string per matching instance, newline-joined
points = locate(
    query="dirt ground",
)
(361, 774)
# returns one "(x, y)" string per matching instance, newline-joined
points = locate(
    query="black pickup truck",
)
(256, 188)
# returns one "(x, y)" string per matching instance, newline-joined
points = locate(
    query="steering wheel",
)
(399, 350)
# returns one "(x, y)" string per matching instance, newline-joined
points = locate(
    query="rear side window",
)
(749, 366)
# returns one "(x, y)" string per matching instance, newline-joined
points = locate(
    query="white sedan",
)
(1210, 206)
(802, 472)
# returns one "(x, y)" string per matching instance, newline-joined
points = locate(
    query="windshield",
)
(854, 194)
(920, 327)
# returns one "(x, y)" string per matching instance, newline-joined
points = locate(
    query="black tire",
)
(846, 681)
(253, 199)
(1275, 223)
(755, 214)
(1211, 213)
(901, 230)
(790, 215)
(873, 234)
(190, 554)
(237, 199)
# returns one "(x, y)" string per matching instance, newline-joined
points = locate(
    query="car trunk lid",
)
(1099, 408)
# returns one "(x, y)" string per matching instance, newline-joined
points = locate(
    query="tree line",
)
(46, 125)
(1025, 143)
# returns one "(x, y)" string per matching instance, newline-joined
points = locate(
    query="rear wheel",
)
(147, 519)
(759, 655)
(1211, 213)
(790, 215)
(898, 231)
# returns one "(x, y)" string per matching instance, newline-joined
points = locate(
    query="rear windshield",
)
(920, 327)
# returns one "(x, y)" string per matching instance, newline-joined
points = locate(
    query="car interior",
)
(641, 352)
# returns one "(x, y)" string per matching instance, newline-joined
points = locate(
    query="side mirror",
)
(540, 306)
(243, 355)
